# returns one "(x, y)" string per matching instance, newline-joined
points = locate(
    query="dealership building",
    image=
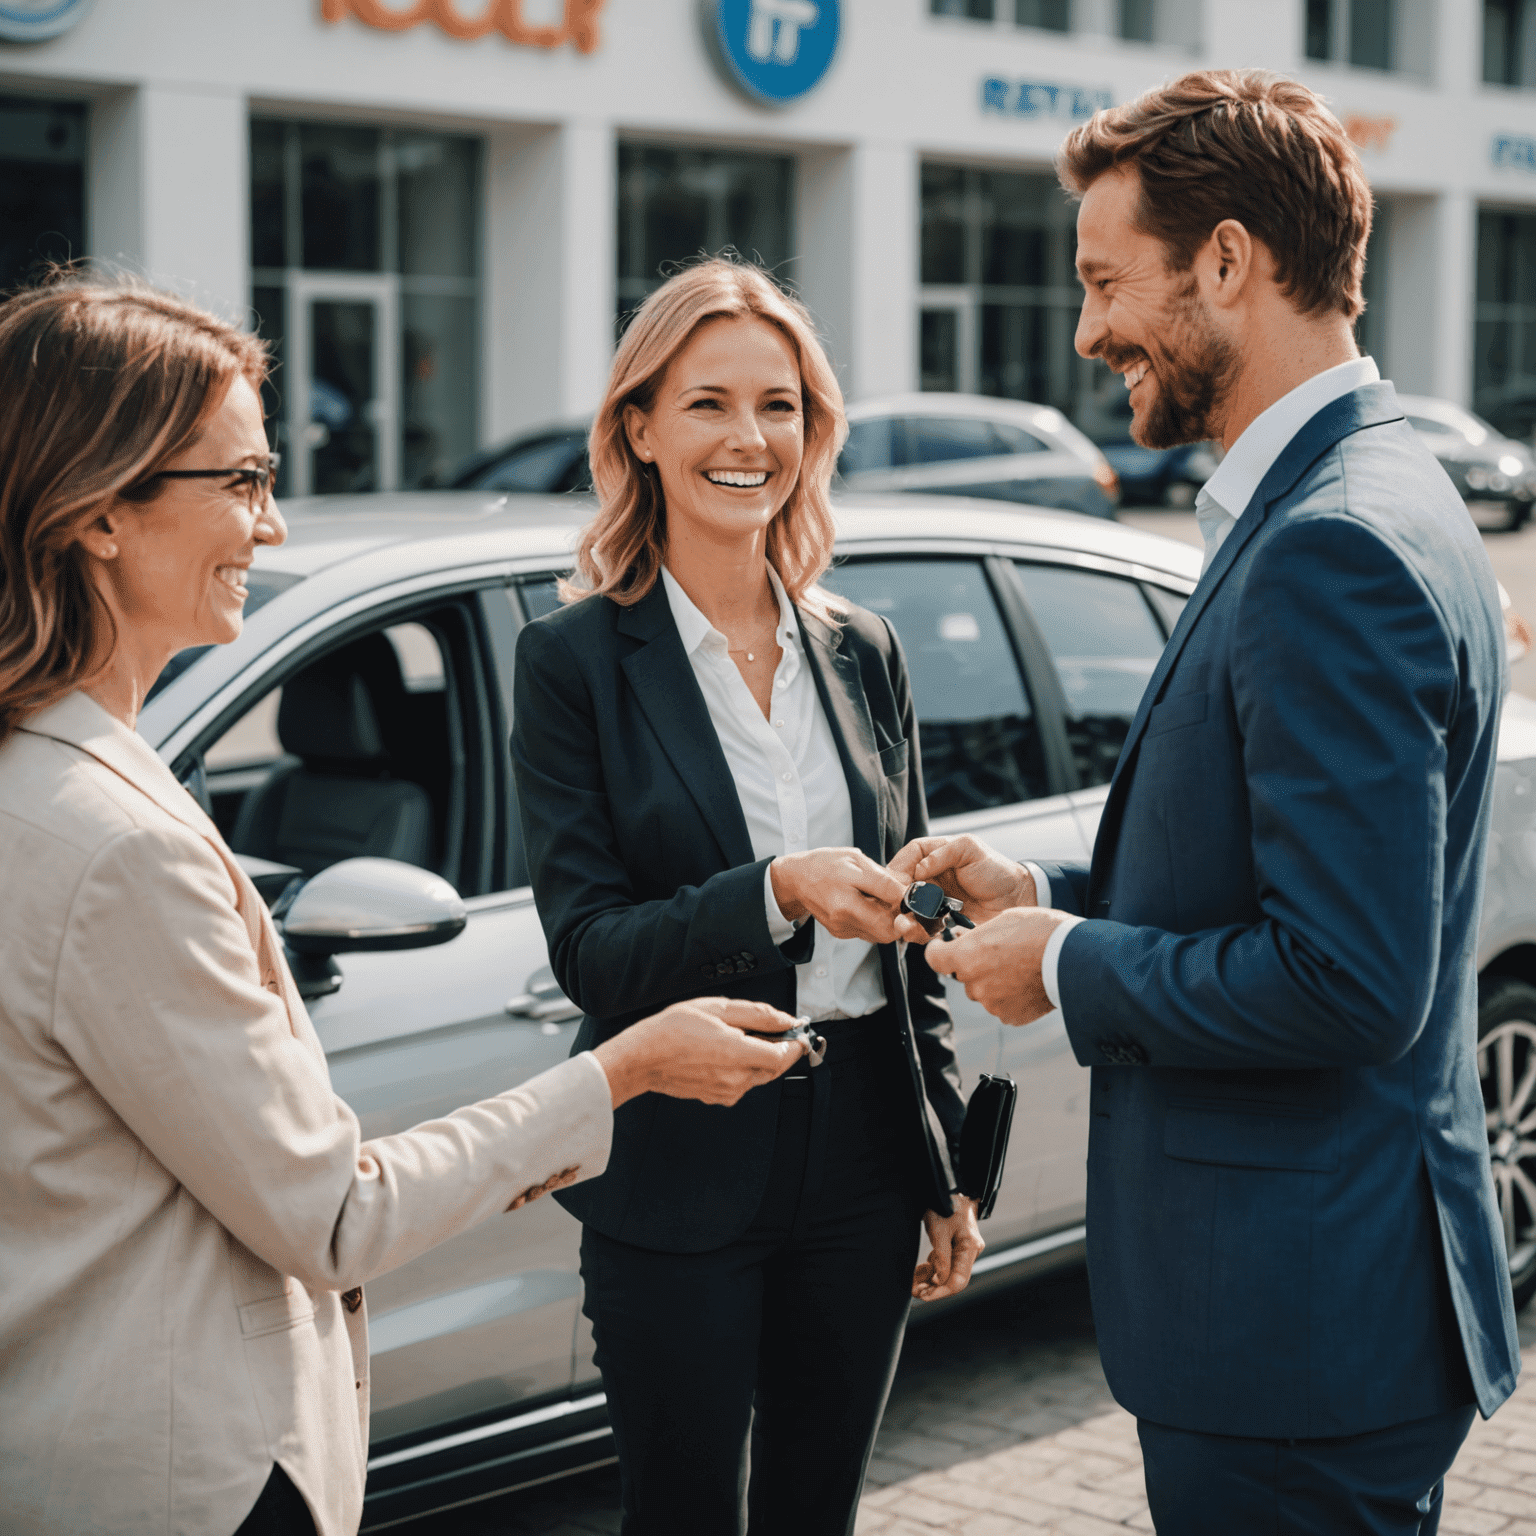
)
(439, 210)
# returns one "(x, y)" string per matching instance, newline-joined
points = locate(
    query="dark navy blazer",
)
(1291, 1222)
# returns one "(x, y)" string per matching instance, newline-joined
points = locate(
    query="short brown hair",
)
(1240, 144)
(621, 550)
(101, 384)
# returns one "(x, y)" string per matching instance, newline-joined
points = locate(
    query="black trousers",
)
(774, 1354)
(279, 1511)
(1389, 1482)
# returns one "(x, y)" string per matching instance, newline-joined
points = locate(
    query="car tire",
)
(1519, 515)
(1506, 1063)
(1179, 495)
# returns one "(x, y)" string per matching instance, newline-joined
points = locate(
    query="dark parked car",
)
(547, 461)
(1483, 464)
(1515, 417)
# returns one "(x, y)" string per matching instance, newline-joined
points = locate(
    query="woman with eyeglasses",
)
(187, 1211)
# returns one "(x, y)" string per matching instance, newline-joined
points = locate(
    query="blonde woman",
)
(187, 1212)
(715, 761)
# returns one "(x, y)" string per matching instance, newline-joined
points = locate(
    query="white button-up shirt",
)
(790, 782)
(1222, 500)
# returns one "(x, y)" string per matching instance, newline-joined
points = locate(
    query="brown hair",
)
(620, 551)
(101, 383)
(1240, 144)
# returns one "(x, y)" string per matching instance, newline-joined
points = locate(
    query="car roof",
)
(937, 403)
(442, 529)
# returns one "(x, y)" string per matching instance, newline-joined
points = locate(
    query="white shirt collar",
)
(1265, 438)
(695, 631)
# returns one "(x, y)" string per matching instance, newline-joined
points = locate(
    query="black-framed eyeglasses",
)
(256, 479)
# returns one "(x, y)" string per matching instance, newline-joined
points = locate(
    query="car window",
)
(1014, 439)
(540, 597)
(375, 746)
(1169, 605)
(980, 741)
(941, 439)
(1105, 641)
(534, 467)
(874, 444)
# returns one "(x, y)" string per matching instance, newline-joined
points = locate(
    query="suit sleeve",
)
(159, 1003)
(1069, 886)
(933, 1030)
(1344, 683)
(611, 952)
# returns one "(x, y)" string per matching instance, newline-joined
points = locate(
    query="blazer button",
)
(352, 1299)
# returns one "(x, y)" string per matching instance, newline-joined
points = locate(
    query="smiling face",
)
(726, 431)
(1148, 323)
(173, 569)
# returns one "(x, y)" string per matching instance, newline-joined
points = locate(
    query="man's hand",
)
(850, 895)
(998, 963)
(954, 1245)
(966, 869)
(696, 1050)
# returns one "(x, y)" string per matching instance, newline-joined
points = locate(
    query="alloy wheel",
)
(1506, 1062)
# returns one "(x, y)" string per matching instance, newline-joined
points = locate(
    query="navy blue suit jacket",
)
(1291, 1221)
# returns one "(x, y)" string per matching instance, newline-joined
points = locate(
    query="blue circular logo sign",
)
(30, 21)
(776, 50)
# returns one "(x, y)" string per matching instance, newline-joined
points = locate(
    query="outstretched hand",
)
(966, 869)
(696, 1050)
(998, 963)
(850, 895)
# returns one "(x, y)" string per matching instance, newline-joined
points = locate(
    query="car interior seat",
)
(336, 795)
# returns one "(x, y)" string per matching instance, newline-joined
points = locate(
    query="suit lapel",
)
(847, 711)
(661, 677)
(1370, 405)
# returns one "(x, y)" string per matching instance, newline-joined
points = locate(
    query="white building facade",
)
(437, 210)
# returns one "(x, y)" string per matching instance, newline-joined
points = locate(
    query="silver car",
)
(1030, 637)
(974, 445)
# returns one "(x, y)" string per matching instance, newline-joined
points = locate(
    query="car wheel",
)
(1506, 1062)
(1180, 495)
(1519, 515)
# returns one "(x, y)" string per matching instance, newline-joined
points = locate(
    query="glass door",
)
(343, 391)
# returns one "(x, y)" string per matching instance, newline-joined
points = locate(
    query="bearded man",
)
(1298, 1268)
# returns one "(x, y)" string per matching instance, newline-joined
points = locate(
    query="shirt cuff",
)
(780, 929)
(1052, 957)
(1042, 884)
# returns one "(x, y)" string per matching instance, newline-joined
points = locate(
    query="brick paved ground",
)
(1000, 1425)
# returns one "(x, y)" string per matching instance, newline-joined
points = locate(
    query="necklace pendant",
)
(750, 656)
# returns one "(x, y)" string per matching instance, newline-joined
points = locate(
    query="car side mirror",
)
(364, 905)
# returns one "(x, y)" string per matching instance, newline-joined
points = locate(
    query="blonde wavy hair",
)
(620, 552)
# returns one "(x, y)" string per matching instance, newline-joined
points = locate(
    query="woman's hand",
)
(696, 1050)
(850, 895)
(966, 869)
(954, 1244)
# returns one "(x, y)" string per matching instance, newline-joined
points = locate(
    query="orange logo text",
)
(1370, 132)
(579, 26)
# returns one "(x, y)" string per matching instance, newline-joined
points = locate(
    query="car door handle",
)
(543, 1010)
(543, 1002)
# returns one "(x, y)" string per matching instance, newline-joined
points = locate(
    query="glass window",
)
(340, 198)
(977, 10)
(1169, 605)
(540, 597)
(939, 350)
(676, 203)
(1105, 641)
(439, 345)
(1136, 20)
(543, 465)
(1504, 340)
(876, 444)
(42, 186)
(944, 224)
(269, 203)
(980, 743)
(1319, 41)
(1012, 439)
(1053, 15)
(943, 439)
(1509, 42)
(1370, 34)
(435, 189)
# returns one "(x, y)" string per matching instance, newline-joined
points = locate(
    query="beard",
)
(1194, 367)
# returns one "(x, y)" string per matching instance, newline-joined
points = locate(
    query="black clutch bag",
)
(984, 1140)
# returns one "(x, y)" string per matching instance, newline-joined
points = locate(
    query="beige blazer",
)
(184, 1202)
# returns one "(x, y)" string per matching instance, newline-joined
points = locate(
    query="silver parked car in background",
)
(975, 445)
(1030, 637)
(1483, 464)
